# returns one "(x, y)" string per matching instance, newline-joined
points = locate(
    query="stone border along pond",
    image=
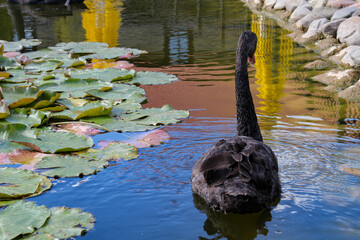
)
(51, 102)
(329, 27)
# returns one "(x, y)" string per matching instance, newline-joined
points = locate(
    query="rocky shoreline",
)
(329, 27)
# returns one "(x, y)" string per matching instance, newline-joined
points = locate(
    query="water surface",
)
(314, 134)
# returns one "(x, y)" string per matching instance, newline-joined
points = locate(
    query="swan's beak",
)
(252, 60)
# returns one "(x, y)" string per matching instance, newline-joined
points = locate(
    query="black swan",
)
(239, 174)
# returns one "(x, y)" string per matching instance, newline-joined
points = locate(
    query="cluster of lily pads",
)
(48, 98)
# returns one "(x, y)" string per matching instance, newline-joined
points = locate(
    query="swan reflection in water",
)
(232, 226)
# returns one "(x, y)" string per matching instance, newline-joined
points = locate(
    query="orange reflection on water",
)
(102, 21)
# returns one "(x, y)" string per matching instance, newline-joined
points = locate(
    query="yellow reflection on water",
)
(102, 20)
(270, 72)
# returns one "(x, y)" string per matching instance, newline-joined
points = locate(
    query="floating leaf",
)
(38, 237)
(91, 109)
(76, 87)
(108, 74)
(11, 46)
(48, 54)
(33, 119)
(46, 99)
(20, 96)
(8, 147)
(114, 53)
(111, 64)
(155, 116)
(79, 128)
(79, 47)
(21, 218)
(68, 222)
(11, 54)
(113, 151)
(43, 66)
(4, 75)
(124, 107)
(121, 92)
(20, 183)
(118, 125)
(29, 42)
(153, 78)
(19, 76)
(70, 166)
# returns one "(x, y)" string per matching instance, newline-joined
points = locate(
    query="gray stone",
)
(344, 13)
(349, 57)
(280, 5)
(254, 3)
(314, 31)
(301, 11)
(340, 3)
(340, 78)
(330, 29)
(317, 3)
(351, 93)
(291, 5)
(333, 50)
(313, 15)
(317, 65)
(326, 43)
(269, 3)
(349, 31)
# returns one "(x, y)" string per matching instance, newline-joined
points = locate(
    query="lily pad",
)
(70, 166)
(107, 74)
(79, 47)
(8, 147)
(22, 218)
(43, 66)
(153, 78)
(76, 87)
(48, 54)
(124, 107)
(113, 151)
(114, 53)
(20, 96)
(68, 222)
(118, 125)
(91, 109)
(46, 99)
(156, 116)
(4, 109)
(20, 183)
(33, 119)
(121, 92)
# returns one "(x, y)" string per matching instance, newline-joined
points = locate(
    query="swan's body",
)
(239, 174)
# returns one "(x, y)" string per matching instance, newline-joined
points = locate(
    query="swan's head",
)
(248, 41)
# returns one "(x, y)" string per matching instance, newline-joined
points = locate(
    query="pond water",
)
(314, 134)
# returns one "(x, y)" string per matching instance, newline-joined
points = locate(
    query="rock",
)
(301, 11)
(330, 29)
(291, 5)
(317, 65)
(351, 93)
(317, 3)
(340, 3)
(344, 13)
(340, 78)
(254, 3)
(326, 43)
(349, 31)
(349, 57)
(313, 15)
(314, 31)
(269, 3)
(333, 50)
(284, 14)
(279, 5)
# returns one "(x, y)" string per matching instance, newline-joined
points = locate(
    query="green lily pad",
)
(20, 183)
(79, 47)
(114, 53)
(106, 74)
(20, 96)
(124, 107)
(113, 151)
(65, 223)
(33, 119)
(20, 76)
(155, 116)
(38, 237)
(70, 166)
(121, 92)
(29, 42)
(72, 63)
(8, 147)
(153, 78)
(91, 109)
(118, 125)
(11, 46)
(43, 66)
(48, 54)
(22, 218)
(76, 87)
(46, 99)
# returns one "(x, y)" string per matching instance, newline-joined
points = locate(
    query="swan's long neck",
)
(247, 124)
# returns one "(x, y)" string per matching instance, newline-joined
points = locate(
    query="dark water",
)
(314, 134)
